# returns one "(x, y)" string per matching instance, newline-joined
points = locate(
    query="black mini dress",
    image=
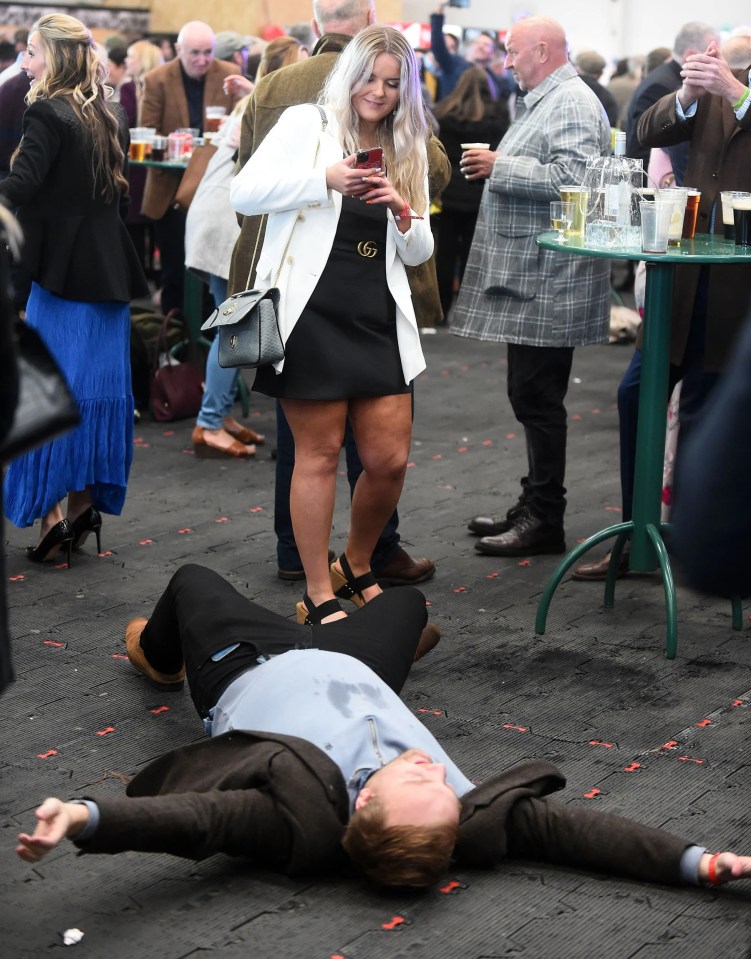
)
(344, 343)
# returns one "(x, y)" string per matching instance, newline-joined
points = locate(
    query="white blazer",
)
(281, 179)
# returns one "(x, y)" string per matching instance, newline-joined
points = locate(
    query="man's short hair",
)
(416, 856)
(329, 11)
(692, 36)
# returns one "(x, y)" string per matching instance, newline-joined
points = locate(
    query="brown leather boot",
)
(598, 571)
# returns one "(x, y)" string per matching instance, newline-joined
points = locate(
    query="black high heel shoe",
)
(348, 586)
(59, 537)
(90, 521)
(310, 615)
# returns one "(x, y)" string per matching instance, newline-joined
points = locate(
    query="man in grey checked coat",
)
(541, 303)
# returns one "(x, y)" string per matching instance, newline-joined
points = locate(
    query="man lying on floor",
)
(313, 753)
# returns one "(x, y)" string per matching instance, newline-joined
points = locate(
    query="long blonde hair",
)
(403, 134)
(279, 53)
(75, 72)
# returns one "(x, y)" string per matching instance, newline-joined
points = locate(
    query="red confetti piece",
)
(61, 566)
(50, 752)
(519, 729)
(138, 439)
(460, 589)
(427, 602)
(671, 744)
(575, 416)
(187, 529)
(526, 562)
(595, 411)
(463, 449)
(168, 433)
(189, 452)
(613, 509)
(581, 539)
(632, 767)
(145, 542)
(118, 656)
(16, 579)
(143, 446)
(259, 509)
(592, 793)
(487, 442)
(221, 519)
(451, 887)
(492, 576)
(106, 732)
(51, 642)
(596, 742)
(106, 553)
(510, 436)
(433, 712)
(159, 709)
(688, 759)
(438, 456)
(410, 465)
(395, 922)
(704, 722)
(445, 373)
(738, 702)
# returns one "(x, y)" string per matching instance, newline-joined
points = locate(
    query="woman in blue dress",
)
(68, 183)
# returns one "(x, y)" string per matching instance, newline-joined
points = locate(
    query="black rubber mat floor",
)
(663, 741)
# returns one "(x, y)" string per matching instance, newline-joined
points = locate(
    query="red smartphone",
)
(369, 159)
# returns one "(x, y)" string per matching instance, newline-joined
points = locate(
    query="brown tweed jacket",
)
(165, 107)
(719, 159)
(301, 83)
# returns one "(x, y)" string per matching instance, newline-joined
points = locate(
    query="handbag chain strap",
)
(264, 217)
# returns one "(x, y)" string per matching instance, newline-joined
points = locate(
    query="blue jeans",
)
(286, 548)
(221, 385)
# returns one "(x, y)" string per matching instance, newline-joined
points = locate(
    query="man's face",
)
(482, 51)
(196, 52)
(412, 791)
(523, 58)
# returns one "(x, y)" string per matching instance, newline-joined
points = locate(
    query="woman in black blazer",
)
(68, 182)
(469, 114)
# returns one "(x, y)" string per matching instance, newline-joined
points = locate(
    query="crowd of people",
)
(350, 246)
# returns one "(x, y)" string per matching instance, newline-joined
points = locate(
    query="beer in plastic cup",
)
(579, 196)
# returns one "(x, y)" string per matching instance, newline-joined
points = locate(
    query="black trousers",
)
(537, 385)
(169, 233)
(200, 614)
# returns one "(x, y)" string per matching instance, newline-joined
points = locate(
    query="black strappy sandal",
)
(348, 586)
(310, 615)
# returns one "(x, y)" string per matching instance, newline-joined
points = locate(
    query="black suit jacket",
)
(282, 802)
(662, 80)
(76, 244)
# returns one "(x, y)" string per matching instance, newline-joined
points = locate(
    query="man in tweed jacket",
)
(541, 303)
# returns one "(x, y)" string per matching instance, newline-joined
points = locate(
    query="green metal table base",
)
(648, 551)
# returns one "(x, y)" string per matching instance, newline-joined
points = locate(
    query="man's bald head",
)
(536, 47)
(342, 16)
(195, 48)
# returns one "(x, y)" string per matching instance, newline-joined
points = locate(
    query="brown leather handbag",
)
(194, 171)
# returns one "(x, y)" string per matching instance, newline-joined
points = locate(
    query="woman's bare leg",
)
(318, 430)
(78, 502)
(382, 427)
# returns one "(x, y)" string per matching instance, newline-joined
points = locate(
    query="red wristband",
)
(712, 870)
(406, 214)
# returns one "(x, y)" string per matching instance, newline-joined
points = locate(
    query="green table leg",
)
(671, 637)
(737, 610)
(621, 530)
(653, 397)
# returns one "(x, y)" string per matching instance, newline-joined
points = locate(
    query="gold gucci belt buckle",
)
(367, 248)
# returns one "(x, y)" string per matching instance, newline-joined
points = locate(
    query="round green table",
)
(645, 529)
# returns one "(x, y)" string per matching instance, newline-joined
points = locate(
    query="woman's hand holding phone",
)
(345, 178)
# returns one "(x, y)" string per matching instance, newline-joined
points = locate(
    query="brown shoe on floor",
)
(244, 434)
(137, 657)
(233, 450)
(403, 570)
(428, 640)
(598, 571)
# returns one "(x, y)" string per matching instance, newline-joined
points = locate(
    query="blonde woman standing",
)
(68, 184)
(343, 236)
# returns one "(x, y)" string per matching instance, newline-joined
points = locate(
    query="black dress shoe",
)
(529, 536)
(493, 525)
